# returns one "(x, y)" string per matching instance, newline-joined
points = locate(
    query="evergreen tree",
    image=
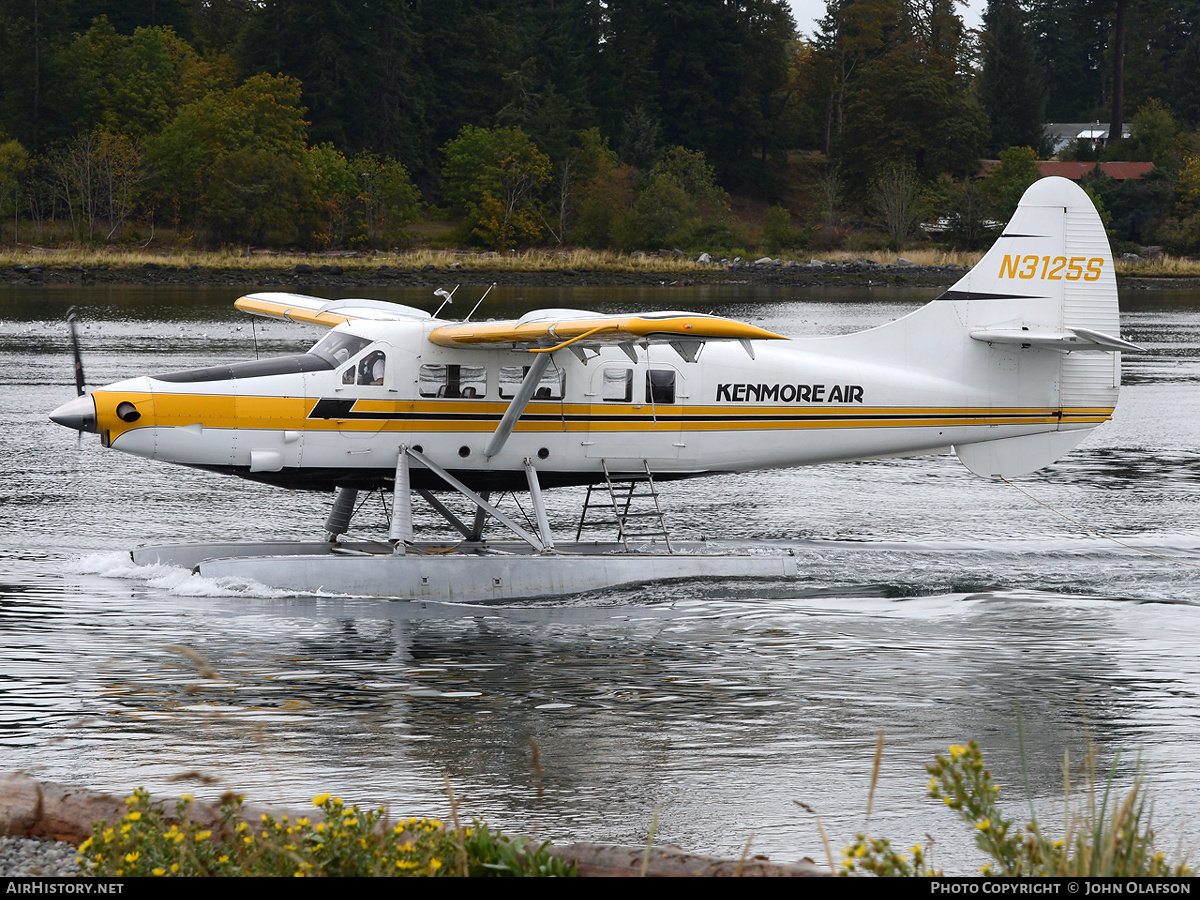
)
(626, 78)
(360, 66)
(1071, 37)
(1011, 87)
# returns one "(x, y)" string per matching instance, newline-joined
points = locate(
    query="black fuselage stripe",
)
(683, 419)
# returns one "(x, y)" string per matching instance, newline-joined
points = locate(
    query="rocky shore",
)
(304, 277)
(42, 822)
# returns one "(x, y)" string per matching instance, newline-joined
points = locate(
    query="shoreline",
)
(39, 820)
(303, 278)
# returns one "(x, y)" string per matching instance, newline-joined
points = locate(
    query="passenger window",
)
(618, 385)
(371, 368)
(348, 375)
(452, 382)
(660, 386)
(551, 387)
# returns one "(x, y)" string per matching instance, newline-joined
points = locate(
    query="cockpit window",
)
(372, 367)
(337, 347)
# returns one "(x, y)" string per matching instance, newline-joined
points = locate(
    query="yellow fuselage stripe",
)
(292, 413)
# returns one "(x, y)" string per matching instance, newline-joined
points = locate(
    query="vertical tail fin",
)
(1047, 286)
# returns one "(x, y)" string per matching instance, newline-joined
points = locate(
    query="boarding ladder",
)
(639, 488)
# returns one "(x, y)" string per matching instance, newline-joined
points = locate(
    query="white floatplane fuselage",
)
(306, 422)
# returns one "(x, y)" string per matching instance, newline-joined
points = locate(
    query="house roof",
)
(1121, 171)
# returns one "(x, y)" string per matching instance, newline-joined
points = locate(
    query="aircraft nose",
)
(79, 414)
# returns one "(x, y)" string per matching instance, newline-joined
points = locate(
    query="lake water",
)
(930, 604)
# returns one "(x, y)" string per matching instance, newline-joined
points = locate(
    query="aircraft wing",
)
(552, 329)
(318, 311)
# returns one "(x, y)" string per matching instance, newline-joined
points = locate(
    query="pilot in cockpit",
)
(372, 368)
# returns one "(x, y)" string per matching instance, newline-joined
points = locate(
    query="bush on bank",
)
(346, 842)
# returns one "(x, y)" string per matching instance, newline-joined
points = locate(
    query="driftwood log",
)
(44, 809)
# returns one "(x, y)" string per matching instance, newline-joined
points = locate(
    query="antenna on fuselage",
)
(442, 292)
(477, 305)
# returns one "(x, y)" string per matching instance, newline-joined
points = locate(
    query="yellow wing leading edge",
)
(536, 328)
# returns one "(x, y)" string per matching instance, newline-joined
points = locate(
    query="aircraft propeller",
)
(73, 321)
(79, 413)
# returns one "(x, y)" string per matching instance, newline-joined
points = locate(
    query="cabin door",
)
(636, 413)
(367, 391)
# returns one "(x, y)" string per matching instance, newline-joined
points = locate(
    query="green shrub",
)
(1103, 835)
(348, 842)
(777, 229)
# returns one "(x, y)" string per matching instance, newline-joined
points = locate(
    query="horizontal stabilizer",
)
(1010, 457)
(318, 311)
(1073, 339)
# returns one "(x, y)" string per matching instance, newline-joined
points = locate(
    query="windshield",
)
(337, 347)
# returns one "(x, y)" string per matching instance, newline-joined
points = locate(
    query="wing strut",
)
(517, 406)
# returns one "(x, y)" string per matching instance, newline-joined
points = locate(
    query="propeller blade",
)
(73, 321)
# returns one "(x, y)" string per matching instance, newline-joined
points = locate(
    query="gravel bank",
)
(36, 858)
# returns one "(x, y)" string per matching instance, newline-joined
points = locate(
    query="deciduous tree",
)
(495, 177)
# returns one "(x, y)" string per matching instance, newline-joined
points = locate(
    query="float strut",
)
(400, 532)
(539, 508)
(481, 518)
(339, 517)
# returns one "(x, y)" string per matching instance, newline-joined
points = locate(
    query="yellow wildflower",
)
(160, 871)
(435, 864)
(320, 799)
(132, 857)
(134, 816)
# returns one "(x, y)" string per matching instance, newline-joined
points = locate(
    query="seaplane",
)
(1009, 369)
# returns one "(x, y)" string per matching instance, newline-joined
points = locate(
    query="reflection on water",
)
(929, 603)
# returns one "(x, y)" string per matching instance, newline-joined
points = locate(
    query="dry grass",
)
(1163, 267)
(524, 261)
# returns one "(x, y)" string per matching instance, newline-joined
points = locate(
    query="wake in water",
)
(176, 581)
